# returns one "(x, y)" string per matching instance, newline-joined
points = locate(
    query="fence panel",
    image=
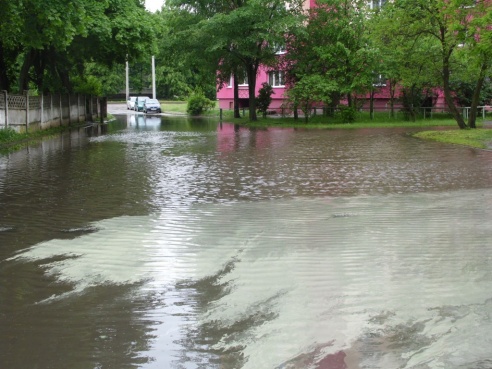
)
(23, 112)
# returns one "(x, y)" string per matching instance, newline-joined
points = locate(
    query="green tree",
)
(182, 66)
(47, 43)
(405, 63)
(447, 28)
(310, 90)
(333, 51)
(240, 35)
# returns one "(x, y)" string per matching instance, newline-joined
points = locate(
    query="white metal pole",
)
(127, 80)
(153, 77)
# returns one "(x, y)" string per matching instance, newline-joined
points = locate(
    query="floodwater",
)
(176, 243)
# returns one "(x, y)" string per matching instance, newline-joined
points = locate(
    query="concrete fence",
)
(24, 113)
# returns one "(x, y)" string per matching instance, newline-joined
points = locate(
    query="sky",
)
(153, 5)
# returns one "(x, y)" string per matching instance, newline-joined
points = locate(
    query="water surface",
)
(173, 243)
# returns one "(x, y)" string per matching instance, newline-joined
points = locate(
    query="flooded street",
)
(188, 244)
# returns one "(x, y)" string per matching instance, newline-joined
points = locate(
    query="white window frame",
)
(377, 4)
(276, 78)
(379, 80)
(231, 82)
(279, 49)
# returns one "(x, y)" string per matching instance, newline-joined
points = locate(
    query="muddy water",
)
(173, 243)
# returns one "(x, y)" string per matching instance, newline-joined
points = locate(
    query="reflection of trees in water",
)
(203, 339)
(104, 327)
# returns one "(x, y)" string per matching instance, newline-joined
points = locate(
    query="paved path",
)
(120, 108)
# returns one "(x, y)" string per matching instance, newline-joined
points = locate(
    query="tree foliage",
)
(438, 31)
(48, 43)
(332, 57)
(238, 35)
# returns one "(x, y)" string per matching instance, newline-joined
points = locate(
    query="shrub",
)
(347, 113)
(198, 103)
(264, 98)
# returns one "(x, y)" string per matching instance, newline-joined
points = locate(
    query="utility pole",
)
(153, 77)
(127, 72)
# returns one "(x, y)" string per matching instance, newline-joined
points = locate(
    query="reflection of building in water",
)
(231, 138)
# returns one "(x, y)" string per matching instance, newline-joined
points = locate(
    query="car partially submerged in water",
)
(152, 106)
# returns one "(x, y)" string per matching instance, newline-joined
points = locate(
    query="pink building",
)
(275, 78)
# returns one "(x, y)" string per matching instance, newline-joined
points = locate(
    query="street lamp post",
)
(127, 73)
(153, 77)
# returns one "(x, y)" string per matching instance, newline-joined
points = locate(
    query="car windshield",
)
(152, 101)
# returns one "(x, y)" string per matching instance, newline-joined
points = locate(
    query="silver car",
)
(152, 106)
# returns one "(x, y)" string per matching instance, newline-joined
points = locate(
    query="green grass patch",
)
(8, 135)
(479, 138)
(10, 140)
(174, 106)
(363, 120)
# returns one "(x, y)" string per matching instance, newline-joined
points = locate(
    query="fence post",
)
(26, 93)
(42, 110)
(69, 111)
(61, 111)
(103, 107)
(78, 108)
(6, 97)
(220, 113)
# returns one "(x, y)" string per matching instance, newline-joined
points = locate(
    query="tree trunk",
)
(371, 103)
(449, 97)
(392, 89)
(4, 79)
(24, 73)
(237, 114)
(472, 118)
(251, 71)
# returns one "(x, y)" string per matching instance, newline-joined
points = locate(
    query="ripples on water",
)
(251, 258)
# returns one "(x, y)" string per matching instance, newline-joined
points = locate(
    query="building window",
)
(242, 81)
(376, 4)
(279, 49)
(276, 78)
(379, 80)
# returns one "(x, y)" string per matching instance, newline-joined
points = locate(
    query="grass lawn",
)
(480, 138)
(173, 106)
(10, 140)
(363, 120)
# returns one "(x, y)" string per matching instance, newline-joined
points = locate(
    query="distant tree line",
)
(65, 46)
(339, 51)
